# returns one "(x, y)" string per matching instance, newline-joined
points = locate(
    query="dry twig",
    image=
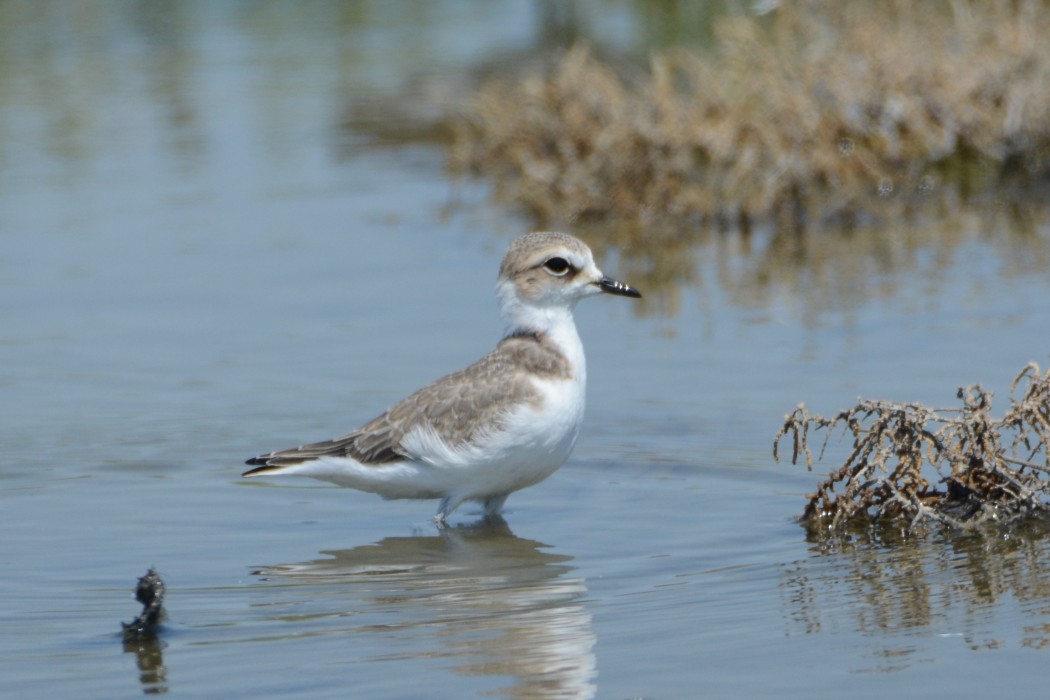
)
(960, 467)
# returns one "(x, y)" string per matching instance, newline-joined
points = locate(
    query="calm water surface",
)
(205, 256)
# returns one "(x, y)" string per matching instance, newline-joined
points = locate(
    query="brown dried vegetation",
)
(912, 464)
(822, 111)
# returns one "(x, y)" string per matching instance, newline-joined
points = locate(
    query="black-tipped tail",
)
(259, 471)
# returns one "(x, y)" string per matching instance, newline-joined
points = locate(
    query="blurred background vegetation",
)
(814, 113)
(810, 143)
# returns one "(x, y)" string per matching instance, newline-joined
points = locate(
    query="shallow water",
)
(205, 257)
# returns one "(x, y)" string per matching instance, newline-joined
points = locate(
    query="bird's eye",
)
(557, 266)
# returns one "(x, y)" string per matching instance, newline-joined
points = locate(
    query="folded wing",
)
(483, 391)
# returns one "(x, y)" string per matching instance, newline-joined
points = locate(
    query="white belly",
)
(535, 440)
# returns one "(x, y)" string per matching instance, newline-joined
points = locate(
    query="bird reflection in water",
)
(491, 603)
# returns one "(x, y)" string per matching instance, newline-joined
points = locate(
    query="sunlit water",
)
(202, 261)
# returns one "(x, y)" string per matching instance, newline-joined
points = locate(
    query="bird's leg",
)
(442, 513)
(448, 504)
(493, 505)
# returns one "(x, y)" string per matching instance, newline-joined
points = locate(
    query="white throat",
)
(554, 321)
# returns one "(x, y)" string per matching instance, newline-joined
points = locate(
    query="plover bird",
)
(505, 422)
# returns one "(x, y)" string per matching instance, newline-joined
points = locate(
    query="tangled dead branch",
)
(960, 467)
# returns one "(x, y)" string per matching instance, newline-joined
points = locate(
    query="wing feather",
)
(483, 391)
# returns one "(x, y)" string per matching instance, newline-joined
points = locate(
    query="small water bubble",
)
(926, 184)
(846, 147)
(885, 187)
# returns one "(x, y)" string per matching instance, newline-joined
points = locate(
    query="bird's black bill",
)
(611, 286)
